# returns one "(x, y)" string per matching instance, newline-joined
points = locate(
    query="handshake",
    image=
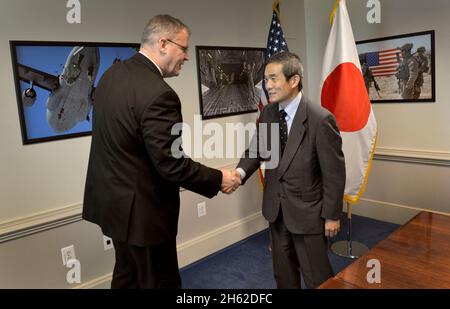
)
(231, 180)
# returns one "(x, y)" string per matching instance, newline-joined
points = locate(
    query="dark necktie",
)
(283, 131)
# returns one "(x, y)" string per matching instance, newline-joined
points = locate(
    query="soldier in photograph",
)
(367, 74)
(422, 61)
(408, 72)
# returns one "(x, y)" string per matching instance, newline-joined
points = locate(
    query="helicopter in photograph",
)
(71, 93)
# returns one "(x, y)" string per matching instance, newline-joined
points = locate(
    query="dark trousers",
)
(152, 267)
(295, 254)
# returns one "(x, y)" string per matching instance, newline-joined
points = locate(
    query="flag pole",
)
(349, 228)
(348, 248)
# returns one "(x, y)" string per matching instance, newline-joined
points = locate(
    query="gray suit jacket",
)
(309, 182)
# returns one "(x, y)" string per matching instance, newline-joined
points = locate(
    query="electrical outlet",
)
(68, 253)
(107, 243)
(201, 208)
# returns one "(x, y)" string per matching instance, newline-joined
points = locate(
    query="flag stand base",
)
(348, 248)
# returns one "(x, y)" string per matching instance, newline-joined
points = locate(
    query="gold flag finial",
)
(275, 8)
(333, 12)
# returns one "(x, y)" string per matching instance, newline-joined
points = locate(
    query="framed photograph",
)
(55, 85)
(229, 80)
(399, 68)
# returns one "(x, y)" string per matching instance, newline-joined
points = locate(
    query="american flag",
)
(275, 39)
(384, 62)
(275, 43)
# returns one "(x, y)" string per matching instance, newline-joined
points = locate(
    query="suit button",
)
(279, 195)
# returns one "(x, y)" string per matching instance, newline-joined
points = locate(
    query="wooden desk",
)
(417, 255)
(336, 283)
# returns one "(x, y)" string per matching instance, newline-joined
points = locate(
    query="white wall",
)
(45, 181)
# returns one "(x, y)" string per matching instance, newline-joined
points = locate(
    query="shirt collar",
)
(291, 107)
(157, 66)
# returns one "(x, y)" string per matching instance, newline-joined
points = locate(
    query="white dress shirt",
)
(160, 71)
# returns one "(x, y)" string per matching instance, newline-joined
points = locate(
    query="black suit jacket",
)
(133, 180)
(309, 182)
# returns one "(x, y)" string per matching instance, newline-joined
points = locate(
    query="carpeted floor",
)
(248, 263)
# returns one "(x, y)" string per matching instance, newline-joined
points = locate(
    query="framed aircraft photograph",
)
(229, 80)
(55, 85)
(399, 69)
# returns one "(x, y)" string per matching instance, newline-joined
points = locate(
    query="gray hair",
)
(291, 65)
(161, 25)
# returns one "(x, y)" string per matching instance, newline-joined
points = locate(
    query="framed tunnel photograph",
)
(229, 79)
(399, 68)
(55, 85)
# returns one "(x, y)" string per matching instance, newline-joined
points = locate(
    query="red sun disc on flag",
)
(344, 94)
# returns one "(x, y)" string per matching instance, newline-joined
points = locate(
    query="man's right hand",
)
(231, 180)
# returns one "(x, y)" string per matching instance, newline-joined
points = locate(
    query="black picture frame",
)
(55, 85)
(391, 75)
(225, 88)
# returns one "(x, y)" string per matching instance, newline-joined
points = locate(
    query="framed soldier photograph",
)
(229, 80)
(55, 85)
(399, 68)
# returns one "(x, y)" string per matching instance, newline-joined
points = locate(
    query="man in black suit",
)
(135, 173)
(303, 194)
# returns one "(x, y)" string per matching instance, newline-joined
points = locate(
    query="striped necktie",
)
(283, 131)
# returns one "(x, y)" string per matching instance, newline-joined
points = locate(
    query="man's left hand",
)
(332, 227)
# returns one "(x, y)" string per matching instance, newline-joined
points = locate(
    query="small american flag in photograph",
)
(384, 62)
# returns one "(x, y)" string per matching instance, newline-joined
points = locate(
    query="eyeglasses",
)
(184, 49)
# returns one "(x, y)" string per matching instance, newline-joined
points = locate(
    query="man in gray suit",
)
(303, 194)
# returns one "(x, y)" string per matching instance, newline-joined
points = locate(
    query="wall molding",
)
(39, 222)
(50, 219)
(403, 206)
(202, 246)
(428, 157)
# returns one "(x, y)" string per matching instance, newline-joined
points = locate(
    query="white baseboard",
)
(102, 282)
(202, 246)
